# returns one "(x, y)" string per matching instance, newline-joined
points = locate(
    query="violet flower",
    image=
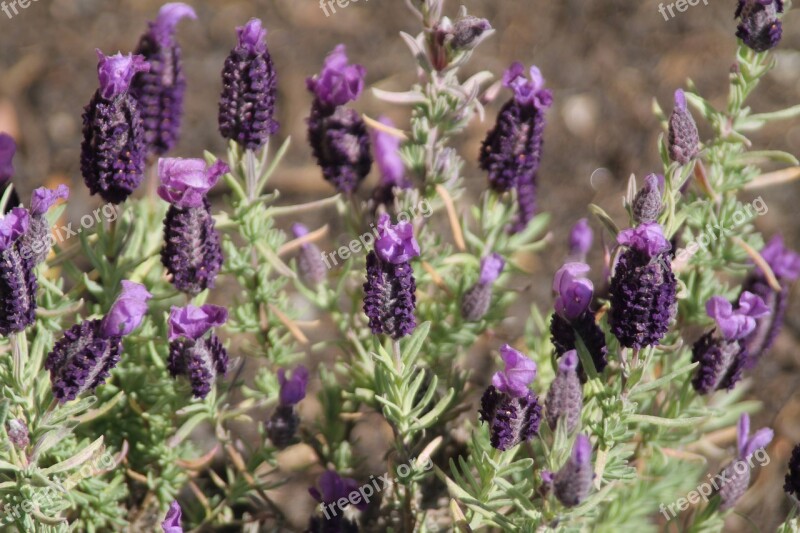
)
(683, 140)
(389, 292)
(84, 357)
(332, 490)
(565, 397)
(37, 241)
(18, 283)
(573, 482)
(283, 424)
(7, 150)
(573, 291)
(309, 261)
(249, 87)
(476, 300)
(192, 253)
(172, 522)
(581, 238)
(195, 351)
(159, 91)
(512, 150)
(759, 26)
(643, 287)
(114, 146)
(510, 408)
(338, 136)
(736, 474)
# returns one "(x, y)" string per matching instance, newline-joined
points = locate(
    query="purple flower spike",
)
(580, 240)
(193, 322)
(43, 199)
(647, 204)
(168, 18)
(528, 91)
(491, 267)
(252, 37)
(387, 157)
(573, 291)
(683, 140)
(785, 263)
(185, 182)
(339, 82)
(7, 150)
(739, 323)
(395, 243)
(759, 25)
(645, 238)
(116, 72)
(737, 478)
(572, 484)
(520, 371)
(12, 226)
(293, 389)
(565, 397)
(127, 311)
(333, 488)
(172, 522)
(477, 299)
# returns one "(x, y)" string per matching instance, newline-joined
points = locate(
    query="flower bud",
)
(683, 139)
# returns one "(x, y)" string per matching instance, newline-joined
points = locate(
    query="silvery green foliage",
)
(118, 457)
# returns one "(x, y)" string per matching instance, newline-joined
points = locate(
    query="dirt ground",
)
(605, 61)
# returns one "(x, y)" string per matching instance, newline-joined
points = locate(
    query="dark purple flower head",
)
(647, 239)
(127, 311)
(172, 522)
(564, 336)
(340, 143)
(565, 397)
(7, 150)
(736, 323)
(252, 37)
(293, 389)
(785, 263)
(573, 291)
(528, 92)
(249, 89)
(683, 138)
(390, 297)
(519, 372)
(469, 31)
(759, 26)
(387, 156)
(168, 17)
(338, 82)
(193, 322)
(116, 72)
(395, 243)
(647, 204)
(511, 419)
(792, 480)
(185, 182)
(720, 363)
(333, 487)
(12, 226)
(580, 239)
(42, 199)
(573, 482)
(491, 267)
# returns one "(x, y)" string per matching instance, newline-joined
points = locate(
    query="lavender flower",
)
(249, 85)
(283, 424)
(683, 139)
(159, 91)
(722, 353)
(389, 292)
(469, 32)
(172, 522)
(37, 241)
(759, 26)
(580, 240)
(792, 480)
(85, 355)
(114, 146)
(647, 204)
(192, 253)
(337, 135)
(565, 398)
(508, 405)
(512, 150)
(785, 264)
(573, 482)
(17, 431)
(194, 350)
(309, 261)
(18, 284)
(475, 302)
(334, 489)
(736, 474)
(643, 288)
(573, 318)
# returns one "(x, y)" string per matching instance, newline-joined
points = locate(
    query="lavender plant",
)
(116, 361)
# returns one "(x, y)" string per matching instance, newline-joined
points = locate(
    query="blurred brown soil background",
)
(605, 61)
